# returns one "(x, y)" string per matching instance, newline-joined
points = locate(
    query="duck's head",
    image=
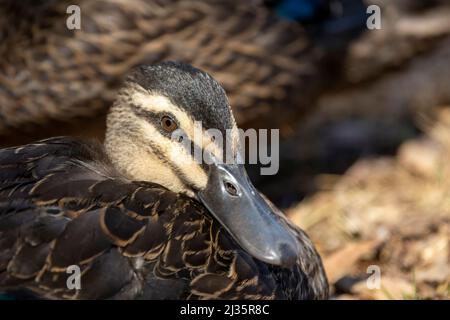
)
(153, 134)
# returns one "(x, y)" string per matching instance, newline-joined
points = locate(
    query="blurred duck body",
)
(51, 76)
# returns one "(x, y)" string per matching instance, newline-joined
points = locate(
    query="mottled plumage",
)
(139, 216)
(62, 203)
(50, 74)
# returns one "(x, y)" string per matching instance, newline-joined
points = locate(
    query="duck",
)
(55, 80)
(138, 217)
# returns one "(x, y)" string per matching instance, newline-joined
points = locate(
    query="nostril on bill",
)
(230, 188)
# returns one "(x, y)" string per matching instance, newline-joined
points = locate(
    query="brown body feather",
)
(62, 204)
(49, 73)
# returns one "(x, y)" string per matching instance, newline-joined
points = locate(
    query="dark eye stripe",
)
(154, 118)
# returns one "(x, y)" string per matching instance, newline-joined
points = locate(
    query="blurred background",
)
(364, 114)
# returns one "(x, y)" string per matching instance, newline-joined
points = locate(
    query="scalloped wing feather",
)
(61, 204)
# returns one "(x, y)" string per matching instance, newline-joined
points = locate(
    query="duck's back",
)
(49, 72)
(62, 205)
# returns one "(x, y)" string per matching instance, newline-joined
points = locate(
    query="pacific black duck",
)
(52, 75)
(141, 223)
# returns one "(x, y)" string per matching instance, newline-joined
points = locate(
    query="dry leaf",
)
(342, 261)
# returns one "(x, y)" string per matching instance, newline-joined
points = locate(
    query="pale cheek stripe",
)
(165, 156)
(148, 102)
(160, 104)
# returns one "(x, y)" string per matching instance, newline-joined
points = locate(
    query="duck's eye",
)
(168, 124)
(231, 188)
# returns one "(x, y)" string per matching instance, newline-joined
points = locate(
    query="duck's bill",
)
(234, 201)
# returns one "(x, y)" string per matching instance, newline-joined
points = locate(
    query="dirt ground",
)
(368, 173)
(389, 212)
